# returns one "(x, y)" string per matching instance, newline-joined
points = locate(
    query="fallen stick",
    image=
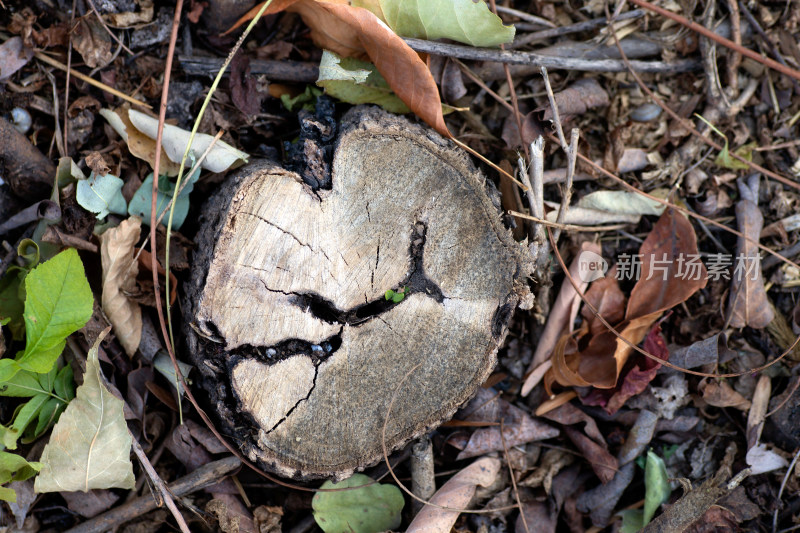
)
(200, 478)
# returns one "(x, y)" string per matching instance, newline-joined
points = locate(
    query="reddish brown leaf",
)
(605, 295)
(721, 394)
(356, 32)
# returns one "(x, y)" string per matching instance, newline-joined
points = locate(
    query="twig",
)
(158, 484)
(105, 27)
(705, 32)
(567, 227)
(566, 187)
(296, 71)
(734, 57)
(525, 16)
(554, 107)
(572, 28)
(783, 486)
(530, 58)
(69, 70)
(423, 478)
(202, 477)
(91, 81)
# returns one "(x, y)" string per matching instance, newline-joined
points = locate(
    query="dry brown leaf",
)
(578, 98)
(356, 32)
(92, 42)
(721, 394)
(139, 144)
(748, 304)
(663, 284)
(606, 296)
(119, 277)
(456, 493)
(130, 18)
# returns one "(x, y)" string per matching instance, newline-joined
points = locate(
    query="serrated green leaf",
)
(65, 385)
(368, 509)
(657, 489)
(357, 82)
(464, 21)
(58, 303)
(14, 468)
(101, 195)
(90, 446)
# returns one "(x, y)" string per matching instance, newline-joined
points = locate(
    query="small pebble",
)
(272, 352)
(646, 112)
(316, 348)
(22, 120)
(327, 347)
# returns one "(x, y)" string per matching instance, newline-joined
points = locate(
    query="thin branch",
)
(525, 16)
(530, 58)
(91, 81)
(572, 28)
(158, 484)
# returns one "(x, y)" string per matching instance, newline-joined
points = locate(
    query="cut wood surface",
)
(299, 350)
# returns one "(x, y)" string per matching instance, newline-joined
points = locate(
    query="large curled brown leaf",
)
(357, 32)
(661, 286)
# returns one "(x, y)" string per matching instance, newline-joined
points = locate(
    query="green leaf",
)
(464, 21)
(101, 195)
(657, 489)
(90, 445)
(357, 82)
(389, 295)
(14, 468)
(631, 520)
(142, 200)
(305, 100)
(8, 437)
(65, 385)
(48, 415)
(58, 303)
(24, 384)
(28, 412)
(11, 305)
(368, 509)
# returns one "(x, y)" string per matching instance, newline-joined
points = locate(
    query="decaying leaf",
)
(90, 446)
(119, 277)
(578, 98)
(518, 426)
(130, 18)
(356, 32)
(92, 42)
(456, 493)
(748, 304)
(761, 459)
(13, 56)
(464, 21)
(665, 281)
(721, 394)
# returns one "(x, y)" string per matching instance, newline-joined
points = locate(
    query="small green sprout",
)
(397, 296)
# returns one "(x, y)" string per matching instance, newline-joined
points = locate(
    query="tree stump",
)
(300, 352)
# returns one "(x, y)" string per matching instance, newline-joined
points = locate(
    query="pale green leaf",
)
(58, 303)
(175, 140)
(357, 82)
(101, 195)
(464, 21)
(621, 202)
(142, 200)
(90, 446)
(28, 412)
(631, 520)
(369, 509)
(657, 489)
